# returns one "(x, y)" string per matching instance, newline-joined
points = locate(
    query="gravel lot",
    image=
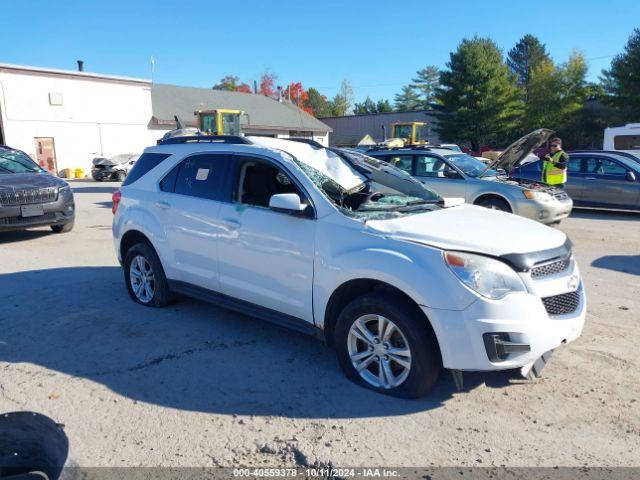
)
(196, 385)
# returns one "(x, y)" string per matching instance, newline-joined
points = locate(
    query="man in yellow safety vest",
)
(554, 165)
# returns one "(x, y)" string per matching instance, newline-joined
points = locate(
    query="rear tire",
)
(495, 204)
(66, 228)
(406, 339)
(145, 278)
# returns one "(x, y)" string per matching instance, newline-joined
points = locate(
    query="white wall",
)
(97, 116)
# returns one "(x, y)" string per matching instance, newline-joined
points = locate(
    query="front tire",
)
(145, 278)
(386, 344)
(495, 204)
(120, 176)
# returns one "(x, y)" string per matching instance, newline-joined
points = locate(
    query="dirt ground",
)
(196, 385)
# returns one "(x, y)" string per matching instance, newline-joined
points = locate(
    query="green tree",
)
(556, 94)
(622, 80)
(527, 54)
(426, 84)
(228, 82)
(407, 100)
(383, 106)
(342, 102)
(478, 96)
(366, 107)
(319, 103)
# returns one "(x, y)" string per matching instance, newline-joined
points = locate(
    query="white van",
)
(626, 139)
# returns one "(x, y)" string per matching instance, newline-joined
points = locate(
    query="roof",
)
(69, 73)
(263, 112)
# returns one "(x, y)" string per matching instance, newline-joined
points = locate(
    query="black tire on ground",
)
(426, 362)
(66, 228)
(161, 295)
(495, 204)
(120, 176)
(97, 179)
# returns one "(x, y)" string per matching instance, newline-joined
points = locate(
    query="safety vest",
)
(551, 174)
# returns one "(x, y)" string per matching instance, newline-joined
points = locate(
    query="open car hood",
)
(518, 150)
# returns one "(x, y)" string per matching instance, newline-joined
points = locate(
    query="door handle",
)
(163, 205)
(231, 223)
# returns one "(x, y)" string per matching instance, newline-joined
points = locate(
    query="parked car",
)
(457, 174)
(597, 179)
(399, 280)
(114, 168)
(32, 197)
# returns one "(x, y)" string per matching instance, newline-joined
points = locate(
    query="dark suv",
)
(30, 196)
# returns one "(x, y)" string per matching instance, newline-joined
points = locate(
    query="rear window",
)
(146, 162)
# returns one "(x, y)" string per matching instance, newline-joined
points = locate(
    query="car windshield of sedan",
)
(17, 162)
(469, 165)
(386, 192)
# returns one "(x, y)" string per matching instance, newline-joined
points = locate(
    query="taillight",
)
(115, 198)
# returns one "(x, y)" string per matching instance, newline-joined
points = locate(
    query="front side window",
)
(201, 176)
(428, 166)
(403, 162)
(607, 167)
(258, 181)
(469, 165)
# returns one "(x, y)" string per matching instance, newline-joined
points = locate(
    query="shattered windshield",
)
(17, 162)
(386, 192)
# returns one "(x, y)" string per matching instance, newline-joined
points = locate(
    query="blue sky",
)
(376, 45)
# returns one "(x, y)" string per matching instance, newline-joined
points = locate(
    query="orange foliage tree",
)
(298, 96)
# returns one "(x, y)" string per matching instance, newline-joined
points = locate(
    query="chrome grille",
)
(27, 220)
(551, 268)
(30, 196)
(562, 304)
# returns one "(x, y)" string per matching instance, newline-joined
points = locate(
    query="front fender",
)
(417, 270)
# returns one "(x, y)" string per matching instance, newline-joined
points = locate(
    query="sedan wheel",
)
(379, 351)
(142, 279)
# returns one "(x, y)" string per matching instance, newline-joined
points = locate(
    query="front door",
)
(266, 257)
(430, 170)
(46, 154)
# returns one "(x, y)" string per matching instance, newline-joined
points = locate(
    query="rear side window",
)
(202, 176)
(146, 162)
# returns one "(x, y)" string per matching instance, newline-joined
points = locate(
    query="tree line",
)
(487, 99)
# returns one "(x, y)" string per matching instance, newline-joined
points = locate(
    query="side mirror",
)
(451, 173)
(631, 177)
(287, 203)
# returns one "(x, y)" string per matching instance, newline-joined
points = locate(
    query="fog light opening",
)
(499, 345)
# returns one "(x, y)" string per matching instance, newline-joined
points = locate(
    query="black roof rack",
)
(406, 147)
(308, 141)
(230, 139)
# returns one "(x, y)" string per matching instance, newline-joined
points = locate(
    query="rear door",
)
(189, 206)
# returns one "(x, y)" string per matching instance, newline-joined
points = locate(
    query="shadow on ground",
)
(25, 235)
(190, 355)
(619, 263)
(607, 215)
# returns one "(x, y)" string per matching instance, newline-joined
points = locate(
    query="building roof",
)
(7, 67)
(263, 112)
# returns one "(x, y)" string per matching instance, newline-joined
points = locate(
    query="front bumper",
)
(545, 212)
(521, 315)
(60, 212)
(102, 174)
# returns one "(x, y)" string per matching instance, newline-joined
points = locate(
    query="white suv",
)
(398, 280)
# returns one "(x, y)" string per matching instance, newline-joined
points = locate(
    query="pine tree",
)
(622, 80)
(426, 83)
(383, 106)
(478, 95)
(527, 54)
(319, 103)
(407, 100)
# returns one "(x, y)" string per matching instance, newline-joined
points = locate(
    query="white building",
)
(64, 119)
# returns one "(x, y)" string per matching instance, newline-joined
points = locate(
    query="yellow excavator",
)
(219, 122)
(412, 133)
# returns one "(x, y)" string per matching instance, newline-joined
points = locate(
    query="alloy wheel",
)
(143, 282)
(379, 351)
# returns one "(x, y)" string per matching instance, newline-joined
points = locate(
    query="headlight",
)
(536, 195)
(488, 277)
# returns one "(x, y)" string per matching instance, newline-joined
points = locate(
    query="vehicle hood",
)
(11, 182)
(473, 229)
(515, 153)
